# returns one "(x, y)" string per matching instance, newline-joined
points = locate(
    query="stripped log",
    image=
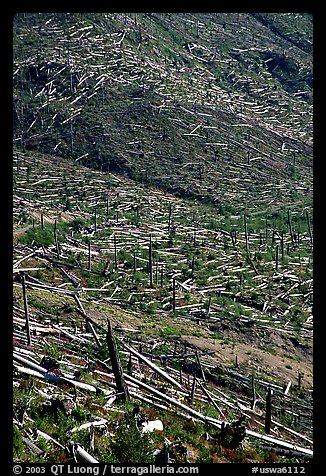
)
(153, 366)
(47, 437)
(85, 426)
(211, 399)
(218, 423)
(280, 443)
(28, 362)
(24, 258)
(173, 401)
(32, 447)
(57, 378)
(79, 451)
(88, 320)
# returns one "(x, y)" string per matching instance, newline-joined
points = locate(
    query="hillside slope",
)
(214, 106)
(162, 174)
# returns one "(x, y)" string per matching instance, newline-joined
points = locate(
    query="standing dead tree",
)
(290, 226)
(268, 415)
(116, 364)
(309, 227)
(26, 310)
(246, 232)
(150, 261)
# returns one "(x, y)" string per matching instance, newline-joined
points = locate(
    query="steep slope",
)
(163, 181)
(200, 104)
(178, 281)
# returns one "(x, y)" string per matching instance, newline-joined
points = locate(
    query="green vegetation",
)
(163, 127)
(130, 445)
(170, 37)
(37, 236)
(17, 442)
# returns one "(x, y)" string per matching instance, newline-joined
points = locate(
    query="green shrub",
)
(203, 454)
(68, 205)
(17, 441)
(79, 415)
(170, 331)
(38, 236)
(52, 349)
(130, 446)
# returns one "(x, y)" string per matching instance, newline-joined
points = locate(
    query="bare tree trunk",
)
(107, 206)
(129, 367)
(56, 239)
(95, 220)
(135, 261)
(193, 388)
(161, 276)
(209, 305)
(116, 364)
(309, 227)
(192, 265)
(253, 389)
(26, 310)
(150, 262)
(276, 258)
(268, 415)
(115, 253)
(299, 380)
(246, 233)
(89, 254)
(266, 230)
(173, 295)
(200, 366)
(170, 214)
(290, 225)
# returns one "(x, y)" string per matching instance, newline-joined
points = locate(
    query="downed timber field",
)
(163, 276)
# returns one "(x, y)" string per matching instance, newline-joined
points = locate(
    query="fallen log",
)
(47, 437)
(88, 320)
(174, 402)
(211, 399)
(58, 378)
(87, 425)
(32, 447)
(283, 444)
(79, 451)
(153, 366)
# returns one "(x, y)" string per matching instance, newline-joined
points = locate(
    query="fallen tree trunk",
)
(58, 378)
(79, 451)
(280, 443)
(172, 400)
(154, 367)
